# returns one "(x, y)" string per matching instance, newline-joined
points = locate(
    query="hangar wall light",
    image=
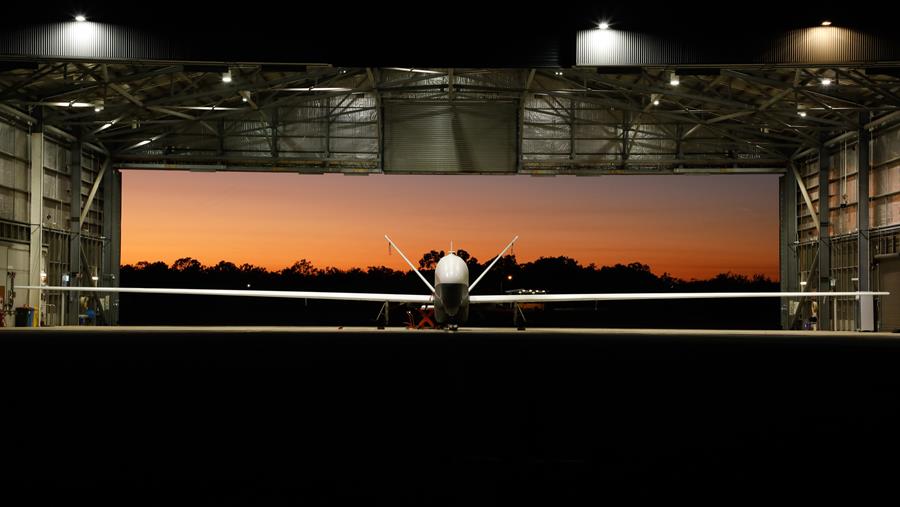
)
(604, 25)
(81, 18)
(826, 23)
(674, 79)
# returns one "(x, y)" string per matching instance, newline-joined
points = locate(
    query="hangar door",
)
(889, 280)
(447, 137)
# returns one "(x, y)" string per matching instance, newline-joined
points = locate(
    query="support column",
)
(112, 231)
(866, 316)
(824, 240)
(36, 213)
(72, 305)
(790, 277)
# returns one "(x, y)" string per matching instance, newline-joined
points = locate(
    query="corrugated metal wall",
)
(843, 205)
(450, 137)
(15, 226)
(828, 45)
(813, 45)
(89, 40)
(619, 47)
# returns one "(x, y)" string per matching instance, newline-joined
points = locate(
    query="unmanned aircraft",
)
(450, 296)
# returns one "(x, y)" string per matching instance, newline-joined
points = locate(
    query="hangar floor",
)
(478, 417)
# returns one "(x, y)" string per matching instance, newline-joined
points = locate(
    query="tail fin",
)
(391, 243)
(492, 264)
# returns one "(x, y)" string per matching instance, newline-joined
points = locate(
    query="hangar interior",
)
(81, 102)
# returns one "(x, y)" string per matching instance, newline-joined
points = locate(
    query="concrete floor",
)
(281, 416)
(329, 330)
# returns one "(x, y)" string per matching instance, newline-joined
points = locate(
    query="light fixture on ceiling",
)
(656, 102)
(674, 80)
(826, 23)
(826, 81)
(226, 76)
(98, 105)
(802, 114)
(245, 95)
(604, 25)
(81, 18)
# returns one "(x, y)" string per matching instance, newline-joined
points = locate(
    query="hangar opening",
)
(817, 106)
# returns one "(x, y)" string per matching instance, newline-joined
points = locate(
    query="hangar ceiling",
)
(323, 118)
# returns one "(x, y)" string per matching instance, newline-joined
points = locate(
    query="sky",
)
(688, 226)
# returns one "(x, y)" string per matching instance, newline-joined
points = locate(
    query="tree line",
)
(553, 274)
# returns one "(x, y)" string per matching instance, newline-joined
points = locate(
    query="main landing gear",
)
(518, 317)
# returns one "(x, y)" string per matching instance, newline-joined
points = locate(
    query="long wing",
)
(552, 298)
(289, 294)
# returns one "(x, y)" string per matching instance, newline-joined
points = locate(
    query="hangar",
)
(83, 100)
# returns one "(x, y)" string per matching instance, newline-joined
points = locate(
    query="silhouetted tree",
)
(430, 259)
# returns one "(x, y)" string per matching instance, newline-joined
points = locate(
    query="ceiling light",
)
(802, 114)
(826, 81)
(604, 25)
(674, 80)
(226, 77)
(826, 23)
(81, 18)
(656, 102)
(98, 106)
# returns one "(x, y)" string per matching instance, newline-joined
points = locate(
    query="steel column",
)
(72, 306)
(36, 214)
(866, 317)
(824, 239)
(112, 232)
(790, 276)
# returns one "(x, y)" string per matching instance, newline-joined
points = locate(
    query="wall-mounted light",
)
(558, 73)
(674, 80)
(826, 23)
(81, 18)
(226, 76)
(604, 25)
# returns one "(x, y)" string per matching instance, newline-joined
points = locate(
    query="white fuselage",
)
(451, 288)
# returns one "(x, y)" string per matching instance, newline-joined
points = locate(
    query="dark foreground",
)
(260, 416)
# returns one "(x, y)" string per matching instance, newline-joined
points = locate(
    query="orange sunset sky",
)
(689, 226)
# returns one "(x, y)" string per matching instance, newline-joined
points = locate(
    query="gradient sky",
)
(689, 226)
